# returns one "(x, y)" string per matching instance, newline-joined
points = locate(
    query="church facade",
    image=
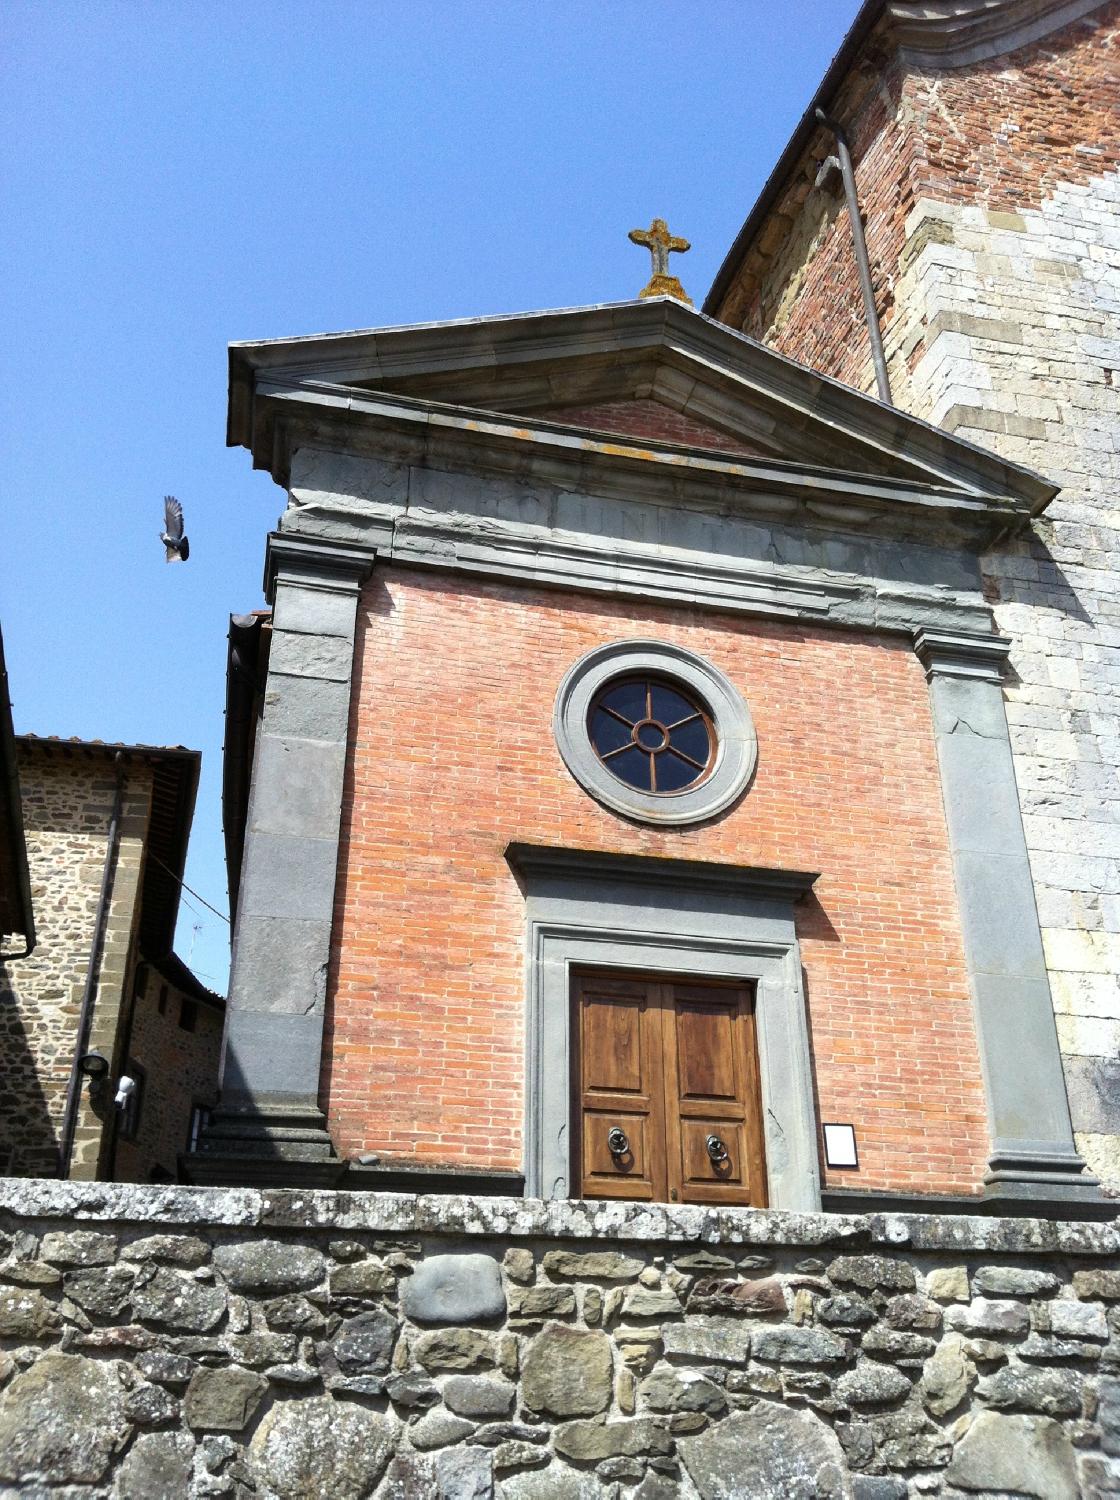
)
(669, 781)
(632, 795)
(648, 719)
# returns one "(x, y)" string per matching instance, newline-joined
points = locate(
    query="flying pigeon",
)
(177, 547)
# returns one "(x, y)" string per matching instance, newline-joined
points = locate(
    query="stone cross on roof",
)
(659, 242)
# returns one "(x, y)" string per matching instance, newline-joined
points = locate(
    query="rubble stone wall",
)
(67, 805)
(208, 1342)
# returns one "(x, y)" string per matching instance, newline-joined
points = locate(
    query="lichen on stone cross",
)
(660, 243)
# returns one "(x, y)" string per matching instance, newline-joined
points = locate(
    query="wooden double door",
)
(666, 1099)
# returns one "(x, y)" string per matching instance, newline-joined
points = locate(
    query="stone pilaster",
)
(1033, 1152)
(268, 1126)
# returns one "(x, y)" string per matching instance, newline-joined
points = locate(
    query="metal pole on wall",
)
(85, 1014)
(862, 263)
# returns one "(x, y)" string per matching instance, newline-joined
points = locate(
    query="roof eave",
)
(176, 772)
(861, 28)
(172, 968)
(337, 361)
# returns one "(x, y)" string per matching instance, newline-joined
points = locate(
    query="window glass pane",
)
(627, 699)
(673, 774)
(693, 740)
(669, 706)
(632, 766)
(608, 734)
(651, 765)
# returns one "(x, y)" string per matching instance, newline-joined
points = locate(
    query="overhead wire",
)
(178, 879)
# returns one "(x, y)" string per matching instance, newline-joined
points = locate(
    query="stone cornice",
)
(959, 654)
(956, 33)
(453, 439)
(85, 1204)
(356, 372)
(536, 862)
(314, 562)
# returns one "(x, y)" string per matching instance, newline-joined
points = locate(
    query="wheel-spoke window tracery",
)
(651, 735)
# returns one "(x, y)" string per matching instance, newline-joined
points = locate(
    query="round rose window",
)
(651, 734)
(654, 732)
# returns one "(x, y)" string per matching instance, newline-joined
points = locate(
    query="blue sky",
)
(180, 175)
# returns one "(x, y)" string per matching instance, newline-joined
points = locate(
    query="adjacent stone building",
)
(174, 1054)
(106, 829)
(986, 148)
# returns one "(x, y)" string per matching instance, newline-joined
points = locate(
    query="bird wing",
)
(172, 517)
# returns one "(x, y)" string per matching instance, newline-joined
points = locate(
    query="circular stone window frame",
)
(736, 742)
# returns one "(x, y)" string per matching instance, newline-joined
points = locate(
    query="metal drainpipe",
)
(74, 1087)
(862, 262)
(13, 796)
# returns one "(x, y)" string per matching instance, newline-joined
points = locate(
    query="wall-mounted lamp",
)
(840, 1146)
(93, 1064)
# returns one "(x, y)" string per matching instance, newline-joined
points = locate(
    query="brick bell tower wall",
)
(991, 197)
(453, 757)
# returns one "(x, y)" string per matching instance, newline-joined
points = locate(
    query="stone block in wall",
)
(320, 1447)
(62, 1421)
(455, 1289)
(1023, 1455)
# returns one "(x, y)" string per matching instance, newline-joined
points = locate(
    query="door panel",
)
(707, 1064)
(619, 1089)
(613, 1044)
(673, 1065)
(711, 1081)
(628, 1173)
(702, 1168)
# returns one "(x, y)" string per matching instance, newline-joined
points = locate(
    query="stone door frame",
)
(680, 918)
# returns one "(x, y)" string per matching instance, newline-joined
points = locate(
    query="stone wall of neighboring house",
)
(992, 200)
(67, 805)
(187, 1341)
(174, 1051)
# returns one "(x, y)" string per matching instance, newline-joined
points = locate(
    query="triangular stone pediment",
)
(644, 418)
(654, 372)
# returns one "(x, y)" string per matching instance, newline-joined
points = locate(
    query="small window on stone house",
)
(200, 1118)
(188, 1015)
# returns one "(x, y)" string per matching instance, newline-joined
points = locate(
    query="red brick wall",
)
(999, 133)
(648, 419)
(453, 757)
